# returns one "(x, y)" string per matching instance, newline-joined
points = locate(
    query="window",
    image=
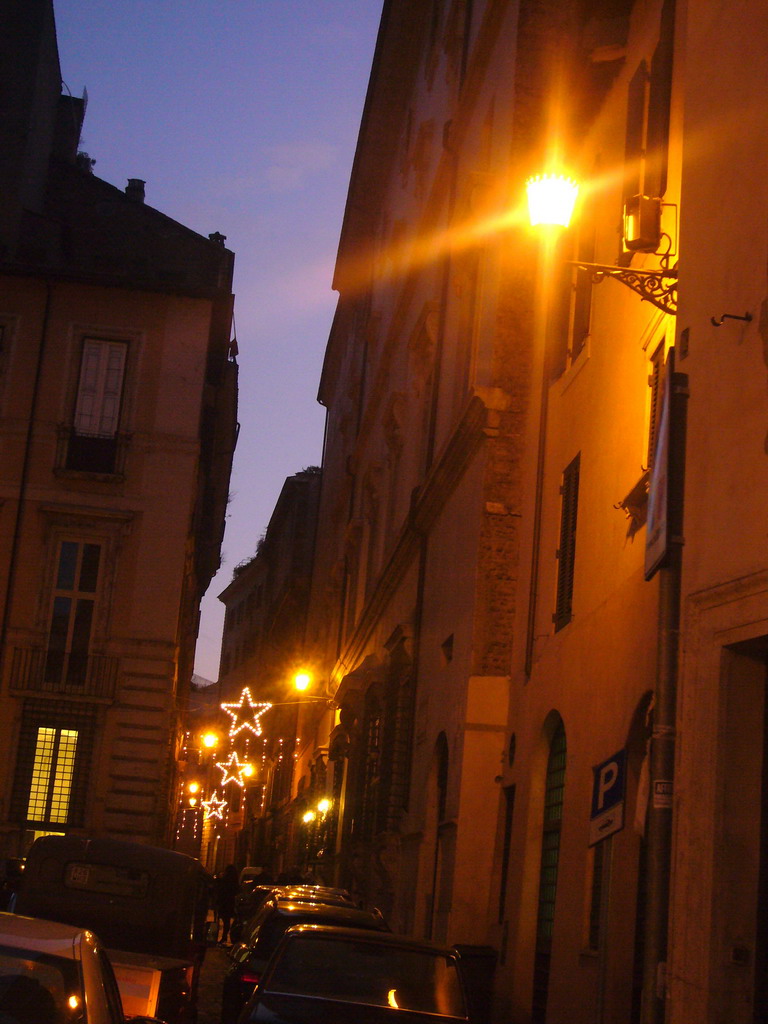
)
(93, 440)
(55, 743)
(566, 554)
(509, 814)
(550, 856)
(52, 770)
(646, 141)
(74, 598)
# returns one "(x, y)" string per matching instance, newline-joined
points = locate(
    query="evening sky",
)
(242, 118)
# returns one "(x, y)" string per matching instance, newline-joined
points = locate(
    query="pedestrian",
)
(226, 891)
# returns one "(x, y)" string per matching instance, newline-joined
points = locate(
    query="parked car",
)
(266, 929)
(147, 905)
(52, 972)
(247, 903)
(251, 898)
(333, 975)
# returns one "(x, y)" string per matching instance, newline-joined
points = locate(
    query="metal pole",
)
(662, 755)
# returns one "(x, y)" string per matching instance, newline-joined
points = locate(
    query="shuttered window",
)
(657, 136)
(550, 857)
(99, 393)
(566, 554)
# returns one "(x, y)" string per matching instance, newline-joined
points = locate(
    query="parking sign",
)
(607, 813)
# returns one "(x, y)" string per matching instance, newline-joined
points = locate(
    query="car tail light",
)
(250, 977)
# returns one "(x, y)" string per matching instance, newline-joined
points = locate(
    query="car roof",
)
(342, 911)
(384, 938)
(43, 936)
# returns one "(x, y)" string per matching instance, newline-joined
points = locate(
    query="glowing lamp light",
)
(194, 787)
(308, 817)
(551, 199)
(210, 739)
(192, 801)
(302, 680)
(247, 770)
(324, 806)
(73, 1002)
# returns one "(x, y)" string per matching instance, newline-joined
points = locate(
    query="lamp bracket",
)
(658, 287)
(718, 321)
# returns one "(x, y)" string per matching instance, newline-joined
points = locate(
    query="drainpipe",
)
(662, 754)
(21, 501)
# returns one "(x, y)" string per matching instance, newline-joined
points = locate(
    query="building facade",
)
(550, 739)
(118, 396)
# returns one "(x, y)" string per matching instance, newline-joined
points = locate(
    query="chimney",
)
(135, 189)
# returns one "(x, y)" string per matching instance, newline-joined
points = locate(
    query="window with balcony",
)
(72, 613)
(93, 441)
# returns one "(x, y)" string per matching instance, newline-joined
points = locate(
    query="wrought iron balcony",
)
(39, 670)
(85, 453)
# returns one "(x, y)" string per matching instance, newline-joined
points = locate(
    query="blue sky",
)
(242, 117)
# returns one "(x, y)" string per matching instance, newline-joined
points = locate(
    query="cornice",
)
(476, 424)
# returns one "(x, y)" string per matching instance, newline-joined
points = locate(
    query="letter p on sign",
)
(606, 780)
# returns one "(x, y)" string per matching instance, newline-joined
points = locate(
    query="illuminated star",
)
(246, 717)
(231, 770)
(214, 806)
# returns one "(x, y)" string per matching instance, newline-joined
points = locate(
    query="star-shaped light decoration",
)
(231, 770)
(214, 806)
(245, 717)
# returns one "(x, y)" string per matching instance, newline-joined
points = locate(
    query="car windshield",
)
(36, 988)
(364, 972)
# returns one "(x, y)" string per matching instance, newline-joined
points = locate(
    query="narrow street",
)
(211, 977)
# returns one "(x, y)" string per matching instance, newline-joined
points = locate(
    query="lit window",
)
(52, 774)
(52, 771)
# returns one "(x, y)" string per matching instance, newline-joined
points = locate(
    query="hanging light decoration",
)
(231, 770)
(214, 806)
(246, 714)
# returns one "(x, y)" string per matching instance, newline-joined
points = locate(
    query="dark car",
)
(251, 898)
(247, 904)
(332, 975)
(265, 931)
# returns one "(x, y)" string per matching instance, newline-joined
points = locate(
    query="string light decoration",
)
(214, 806)
(232, 770)
(246, 717)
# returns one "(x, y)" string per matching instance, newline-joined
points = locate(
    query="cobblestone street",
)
(209, 993)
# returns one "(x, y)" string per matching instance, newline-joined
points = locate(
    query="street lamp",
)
(551, 200)
(302, 681)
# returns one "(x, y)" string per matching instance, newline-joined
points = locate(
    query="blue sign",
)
(608, 786)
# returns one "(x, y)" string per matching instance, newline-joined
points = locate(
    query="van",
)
(147, 905)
